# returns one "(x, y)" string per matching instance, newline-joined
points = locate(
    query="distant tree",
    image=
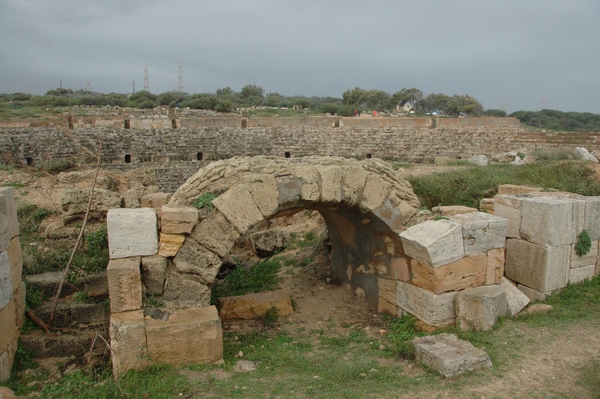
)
(225, 91)
(142, 99)
(172, 98)
(274, 100)
(378, 100)
(59, 92)
(411, 96)
(356, 97)
(250, 91)
(495, 112)
(224, 106)
(329, 108)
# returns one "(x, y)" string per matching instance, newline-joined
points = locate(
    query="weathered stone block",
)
(458, 275)
(435, 243)
(216, 233)
(265, 194)
(189, 336)
(6, 287)
(533, 294)
(238, 206)
(478, 308)
(181, 289)
(542, 268)
(432, 309)
(394, 213)
(197, 262)
(509, 207)
(74, 204)
(331, 184)
(354, 184)
(581, 273)
(155, 200)
(453, 210)
(124, 284)
(268, 242)
(170, 244)
(132, 232)
(387, 297)
(592, 217)
(154, 273)
(495, 266)
(252, 306)
(481, 232)
(15, 259)
(8, 323)
(128, 342)
(487, 205)
(512, 189)
(540, 217)
(20, 304)
(9, 224)
(588, 259)
(180, 220)
(375, 193)
(311, 184)
(516, 299)
(7, 358)
(449, 355)
(399, 268)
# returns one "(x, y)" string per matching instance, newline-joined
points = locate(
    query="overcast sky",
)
(512, 54)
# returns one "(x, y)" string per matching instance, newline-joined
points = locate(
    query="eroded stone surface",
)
(435, 243)
(132, 232)
(124, 284)
(253, 306)
(516, 299)
(479, 308)
(481, 232)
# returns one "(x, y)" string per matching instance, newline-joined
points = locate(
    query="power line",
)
(180, 79)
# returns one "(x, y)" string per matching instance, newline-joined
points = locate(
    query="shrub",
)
(584, 243)
(204, 201)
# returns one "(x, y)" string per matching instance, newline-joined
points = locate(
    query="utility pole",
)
(180, 80)
(134, 87)
(146, 86)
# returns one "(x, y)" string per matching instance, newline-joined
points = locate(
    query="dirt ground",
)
(552, 361)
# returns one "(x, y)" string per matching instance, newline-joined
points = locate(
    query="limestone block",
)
(331, 184)
(289, 189)
(216, 233)
(495, 266)
(128, 342)
(435, 243)
(432, 309)
(354, 185)
(189, 336)
(197, 262)
(550, 221)
(155, 200)
(512, 189)
(394, 215)
(154, 273)
(6, 287)
(452, 210)
(311, 184)
(170, 244)
(581, 273)
(449, 355)
(515, 298)
(238, 206)
(182, 290)
(375, 193)
(481, 232)
(180, 220)
(487, 205)
(15, 260)
(592, 217)
(267, 243)
(7, 358)
(509, 207)
(8, 322)
(589, 259)
(131, 197)
(20, 304)
(75, 201)
(533, 294)
(124, 284)
(478, 308)
(458, 275)
(399, 268)
(542, 268)
(132, 232)
(387, 296)
(265, 193)
(9, 224)
(253, 306)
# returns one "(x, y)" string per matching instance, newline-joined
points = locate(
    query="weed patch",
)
(260, 277)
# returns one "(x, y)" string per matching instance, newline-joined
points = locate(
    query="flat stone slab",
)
(434, 243)
(252, 306)
(449, 355)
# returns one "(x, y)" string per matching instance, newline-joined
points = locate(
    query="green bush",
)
(584, 244)
(204, 201)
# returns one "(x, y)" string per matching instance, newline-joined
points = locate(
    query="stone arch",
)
(364, 205)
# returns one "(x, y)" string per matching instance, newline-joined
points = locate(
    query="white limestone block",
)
(581, 273)
(9, 225)
(435, 243)
(433, 310)
(592, 217)
(551, 221)
(481, 232)
(478, 308)
(517, 300)
(509, 207)
(6, 288)
(132, 232)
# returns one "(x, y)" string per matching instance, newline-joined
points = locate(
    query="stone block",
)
(512, 189)
(592, 217)
(509, 207)
(550, 221)
(432, 309)
(15, 260)
(331, 184)
(197, 262)
(9, 224)
(588, 259)
(128, 342)
(481, 232)
(399, 268)
(478, 308)
(265, 193)
(453, 210)
(268, 242)
(311, 184)
(354, 184)
(132, 232)
(458, 275)
(515, 298)
(155, 200)
(154, 273)
(387, 297)
(449, 355)
(581, 273)
(289, 188)
(179, 220)
(254, 306)
(394, 213)
(435, 243)
(124, 284)
(375, 193)
(170, 244)
(495, 266)
(542, 268)
(180, 289)
(20, 304)
(487, 205)
(6, 287)
(8, 323)
(533, 294)
(216, 233)
(189, 336)
(7, 357)
(238, 206)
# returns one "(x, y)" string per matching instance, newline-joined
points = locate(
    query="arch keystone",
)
(238, 206)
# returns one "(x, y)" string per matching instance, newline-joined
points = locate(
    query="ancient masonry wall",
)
(12, 289)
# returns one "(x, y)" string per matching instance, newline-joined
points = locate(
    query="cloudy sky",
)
(512, 54)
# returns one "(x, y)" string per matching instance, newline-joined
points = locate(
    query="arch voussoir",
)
(238, 206)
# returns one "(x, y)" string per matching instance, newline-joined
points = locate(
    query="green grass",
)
(259, 277)
(469, 185)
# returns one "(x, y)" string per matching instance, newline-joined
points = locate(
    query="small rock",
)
(244, 366)
(537, 308)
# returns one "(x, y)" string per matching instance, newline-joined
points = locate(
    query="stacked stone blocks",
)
(12, 289)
